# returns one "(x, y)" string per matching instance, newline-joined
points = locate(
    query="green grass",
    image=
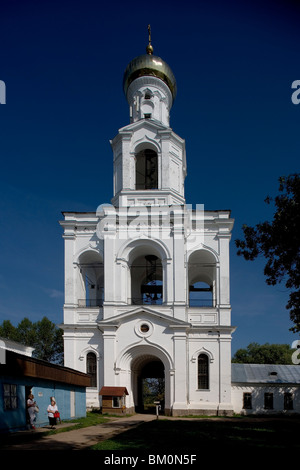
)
(207, 435)
(92, 419)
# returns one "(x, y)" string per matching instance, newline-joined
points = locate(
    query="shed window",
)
(116, 402)
(10, 396)
(203, 379)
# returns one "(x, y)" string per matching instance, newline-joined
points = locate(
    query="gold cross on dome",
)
(149, 48)
(149, 31)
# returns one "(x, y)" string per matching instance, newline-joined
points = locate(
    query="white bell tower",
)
(149, 158)
(147, 284)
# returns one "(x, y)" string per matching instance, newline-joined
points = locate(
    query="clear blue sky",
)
(63, 63)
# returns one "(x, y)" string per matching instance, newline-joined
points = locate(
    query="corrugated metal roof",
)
(265, 373)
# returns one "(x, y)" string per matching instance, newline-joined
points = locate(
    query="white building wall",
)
(110, 330)
(257, 393)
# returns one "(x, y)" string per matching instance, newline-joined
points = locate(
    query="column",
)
(180, 375)
(109, 343)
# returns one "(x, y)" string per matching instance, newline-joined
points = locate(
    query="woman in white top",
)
(52, 408)
(31, 404)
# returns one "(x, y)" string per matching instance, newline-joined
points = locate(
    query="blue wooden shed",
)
(21, 375)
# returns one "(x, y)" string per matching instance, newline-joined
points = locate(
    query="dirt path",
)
(78, 439)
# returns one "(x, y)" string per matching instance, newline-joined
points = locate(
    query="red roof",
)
(113, 391)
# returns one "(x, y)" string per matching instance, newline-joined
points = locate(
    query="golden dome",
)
(149, 65)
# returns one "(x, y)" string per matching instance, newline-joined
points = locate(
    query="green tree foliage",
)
(279, 242)
(43, 335)
(264, 354)
(153, 390)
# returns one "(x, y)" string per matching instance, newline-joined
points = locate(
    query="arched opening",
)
(202, 279)
(149, 376)
(90, 290)
(147, 280)
(132, 362)
(146, 170)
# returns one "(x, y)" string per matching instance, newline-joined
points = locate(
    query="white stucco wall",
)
(258, 391)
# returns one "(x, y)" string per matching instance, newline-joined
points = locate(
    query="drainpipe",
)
(219, 341)
(187, 372)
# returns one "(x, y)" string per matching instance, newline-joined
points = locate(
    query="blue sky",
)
(63, 63)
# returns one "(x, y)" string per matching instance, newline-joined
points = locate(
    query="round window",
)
(144, 328)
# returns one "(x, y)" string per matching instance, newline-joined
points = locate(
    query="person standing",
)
(31, 408)
(51, 410)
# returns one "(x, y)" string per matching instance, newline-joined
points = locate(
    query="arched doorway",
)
(145, 361)
(148, 373)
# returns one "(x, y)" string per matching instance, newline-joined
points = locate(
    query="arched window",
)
(146, 170)
(203, 372)
(91, 368)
